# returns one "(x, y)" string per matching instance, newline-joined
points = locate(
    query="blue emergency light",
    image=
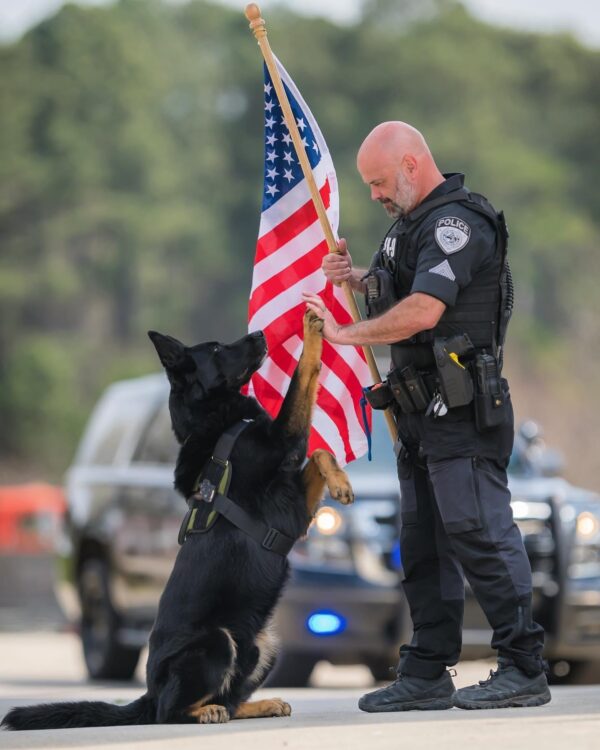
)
(325, 622)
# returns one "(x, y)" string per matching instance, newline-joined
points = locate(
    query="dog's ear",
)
(170, 351)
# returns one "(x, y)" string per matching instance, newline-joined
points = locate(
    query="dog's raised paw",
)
(312, 323)
(340, 488)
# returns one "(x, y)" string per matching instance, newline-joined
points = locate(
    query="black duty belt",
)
(209, 499)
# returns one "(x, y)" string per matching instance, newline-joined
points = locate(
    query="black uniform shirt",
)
(448, 248)
(452, 244)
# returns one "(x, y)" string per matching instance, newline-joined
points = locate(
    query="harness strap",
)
(265, 535)
(211, 488)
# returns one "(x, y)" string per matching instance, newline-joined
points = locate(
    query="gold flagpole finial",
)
(257, 24)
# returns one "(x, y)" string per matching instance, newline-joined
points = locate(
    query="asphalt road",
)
(43, 666)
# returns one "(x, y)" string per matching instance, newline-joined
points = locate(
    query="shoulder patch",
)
(452, 234)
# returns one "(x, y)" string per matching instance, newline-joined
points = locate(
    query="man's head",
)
(396, 163)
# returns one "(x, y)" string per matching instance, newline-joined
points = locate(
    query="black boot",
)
(410, 693)
(507, 687)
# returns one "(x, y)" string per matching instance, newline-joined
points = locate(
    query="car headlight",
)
(328, 521)
(325, 545)
(587, 526)
(585, 553)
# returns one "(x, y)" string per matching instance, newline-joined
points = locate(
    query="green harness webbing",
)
(211, 489)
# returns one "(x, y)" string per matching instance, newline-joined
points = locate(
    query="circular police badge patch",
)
(452, 234)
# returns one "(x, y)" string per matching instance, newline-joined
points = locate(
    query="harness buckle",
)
(206, 491)
(270, 538)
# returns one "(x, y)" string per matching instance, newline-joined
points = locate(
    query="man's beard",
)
(405, 199)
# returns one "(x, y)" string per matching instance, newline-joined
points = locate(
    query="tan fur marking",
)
(314, 484)
(308, 370)
(263, 709)
(210, 714)
(267, 643)
(229, 673)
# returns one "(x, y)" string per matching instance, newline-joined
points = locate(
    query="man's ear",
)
(170, 351)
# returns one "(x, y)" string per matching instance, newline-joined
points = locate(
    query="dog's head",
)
(199, 373)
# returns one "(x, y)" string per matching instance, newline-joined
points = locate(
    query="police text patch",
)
(452, 234)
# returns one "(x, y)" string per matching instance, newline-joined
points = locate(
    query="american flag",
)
(291, 245)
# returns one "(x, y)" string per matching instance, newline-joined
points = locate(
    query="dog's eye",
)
(216, 348)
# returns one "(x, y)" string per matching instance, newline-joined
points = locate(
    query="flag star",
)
(269, 105)
(305, 142)
(288, 157)
(272, 173)
(287, 139)
(268, 88)
(300, 123)
(316, 148)
(271, 140)
(287, 173)
(270, 122)
(283, 122)
(271, 189)
(271, 156)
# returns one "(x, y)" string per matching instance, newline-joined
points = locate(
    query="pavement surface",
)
(42, 666)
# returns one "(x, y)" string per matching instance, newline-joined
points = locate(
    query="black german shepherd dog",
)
(212, 646)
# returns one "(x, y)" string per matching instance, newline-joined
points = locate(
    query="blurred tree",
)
(131, 168)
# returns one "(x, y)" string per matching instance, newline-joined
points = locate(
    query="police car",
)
(344, 600)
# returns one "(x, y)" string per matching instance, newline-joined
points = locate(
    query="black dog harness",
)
(209, 500)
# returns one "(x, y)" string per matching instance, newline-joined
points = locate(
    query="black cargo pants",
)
(455, 517)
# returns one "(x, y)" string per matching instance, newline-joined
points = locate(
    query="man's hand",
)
(331, 329)
(337, 267)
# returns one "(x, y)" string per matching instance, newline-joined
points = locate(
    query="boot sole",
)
(521, 701)
(432, 704)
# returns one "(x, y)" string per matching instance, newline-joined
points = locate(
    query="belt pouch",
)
(416, 387)
(400, 392)
(491, 394)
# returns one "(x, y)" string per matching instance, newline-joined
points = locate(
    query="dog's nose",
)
(258, 334)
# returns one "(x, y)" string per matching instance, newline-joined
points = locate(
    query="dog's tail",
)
(80, 714)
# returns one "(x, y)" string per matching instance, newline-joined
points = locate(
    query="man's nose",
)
(375, 193)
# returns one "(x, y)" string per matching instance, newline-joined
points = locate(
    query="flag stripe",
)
(290, 227)
(292, 274)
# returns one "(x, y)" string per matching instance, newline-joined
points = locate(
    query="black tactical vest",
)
(477, 310)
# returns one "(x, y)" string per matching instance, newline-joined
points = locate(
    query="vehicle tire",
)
(292, 669)
(382, 668)
(105, 657)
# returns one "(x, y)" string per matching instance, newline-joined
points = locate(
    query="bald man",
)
(437, 291)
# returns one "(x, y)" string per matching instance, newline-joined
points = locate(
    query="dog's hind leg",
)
(321, 469)
(295, 414)
(194, 677)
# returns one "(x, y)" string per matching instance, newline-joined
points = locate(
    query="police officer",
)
(437, 276)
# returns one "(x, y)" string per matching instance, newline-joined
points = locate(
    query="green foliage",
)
(131, 168)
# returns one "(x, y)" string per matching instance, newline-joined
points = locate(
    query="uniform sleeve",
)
(451, 248)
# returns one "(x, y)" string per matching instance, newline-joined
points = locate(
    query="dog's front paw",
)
(339, 487)
(313, 324)
(277, 707)
(211, 714)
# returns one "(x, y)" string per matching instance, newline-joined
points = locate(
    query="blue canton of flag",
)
(282, 167)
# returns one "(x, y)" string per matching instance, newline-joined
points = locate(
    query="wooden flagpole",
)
(258, 27)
